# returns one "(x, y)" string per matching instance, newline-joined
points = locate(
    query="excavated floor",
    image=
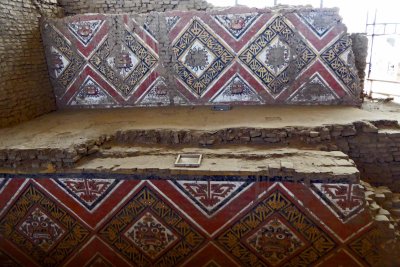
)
(230, 160)
(80, 169)
(63, 129)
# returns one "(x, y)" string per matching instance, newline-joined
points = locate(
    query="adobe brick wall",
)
(73, 7)
(374, 147)
(360, 50)
(25, 90)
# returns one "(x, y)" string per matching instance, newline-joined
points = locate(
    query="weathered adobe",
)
(374, 146)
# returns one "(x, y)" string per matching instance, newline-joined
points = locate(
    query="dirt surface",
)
(62, 129)
(231, 160)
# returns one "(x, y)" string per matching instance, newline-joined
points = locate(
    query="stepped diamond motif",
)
(41, 229)
(63, 61)
(237, 24)
(277, 56)
(85, 30)
(340, 60)
(275, 232)
(89, 192)
(201, 57)
(150, 235)
(275, 241)
(149, 232)
(124, 64)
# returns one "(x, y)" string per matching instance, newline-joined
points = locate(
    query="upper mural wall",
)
(234, 56)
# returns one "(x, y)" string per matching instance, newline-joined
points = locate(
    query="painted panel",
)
(237, 56)
(208, 221)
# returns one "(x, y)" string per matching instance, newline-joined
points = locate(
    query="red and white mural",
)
(234, 56)
(70, 220)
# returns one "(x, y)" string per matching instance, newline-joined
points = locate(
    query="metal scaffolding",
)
(372, 31)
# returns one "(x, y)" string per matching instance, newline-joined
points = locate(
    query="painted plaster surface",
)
(109, 220)
(238, 56)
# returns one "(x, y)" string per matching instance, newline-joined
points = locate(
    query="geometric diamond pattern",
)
(125, 64)
(250, 247)
(40, 228)
(91, 93)
(152, 222)
(201, 57)
(150, 235)
(146, 248)
(275, 241)
(271, 54)
(270, 58)
(157, 95)
(368, 247)
(236, 90)
(171, 22)
(339, 57)
(64, 62)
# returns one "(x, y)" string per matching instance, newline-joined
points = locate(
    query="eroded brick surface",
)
(25, 90)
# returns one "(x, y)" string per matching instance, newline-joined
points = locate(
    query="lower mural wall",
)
(109, 220)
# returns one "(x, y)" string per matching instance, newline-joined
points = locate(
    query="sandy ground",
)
(62, 129)
(232, 160)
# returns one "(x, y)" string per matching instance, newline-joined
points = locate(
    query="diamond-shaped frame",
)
(274, 241)
(188, 239)
(301, 55)
(197, 31)
(160, 237)
(233, 239)
(344, 69)
(74, 236)
(76, 61)
(147, 61)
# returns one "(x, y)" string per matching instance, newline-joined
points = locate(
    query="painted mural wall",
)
(108, 220)
(234, 56)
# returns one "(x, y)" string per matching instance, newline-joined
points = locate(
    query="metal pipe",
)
(372, 46)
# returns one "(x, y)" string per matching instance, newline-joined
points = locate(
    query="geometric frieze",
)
(234, 56)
